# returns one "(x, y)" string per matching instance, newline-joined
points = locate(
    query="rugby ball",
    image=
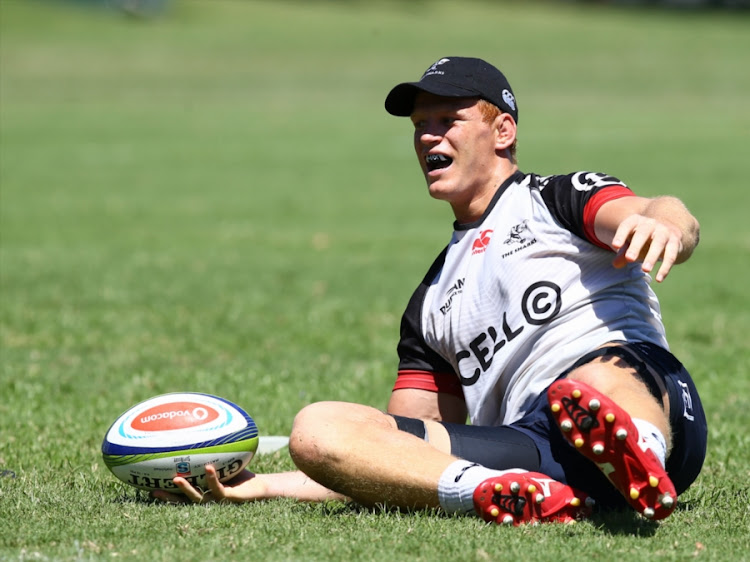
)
(178, 435)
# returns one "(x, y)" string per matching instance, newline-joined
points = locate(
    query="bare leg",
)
(616, 379)
(358, 451)
(343, 451)
(610, 416)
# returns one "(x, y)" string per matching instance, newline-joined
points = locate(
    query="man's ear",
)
(506, 131)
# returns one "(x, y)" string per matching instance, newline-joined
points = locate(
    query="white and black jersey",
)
(519, 295)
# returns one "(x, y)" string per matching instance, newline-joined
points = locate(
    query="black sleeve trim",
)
(566, 196)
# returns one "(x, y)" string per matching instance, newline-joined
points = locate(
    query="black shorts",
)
(535, 443)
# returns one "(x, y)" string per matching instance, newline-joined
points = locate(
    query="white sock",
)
(649, 437)
(458, 482)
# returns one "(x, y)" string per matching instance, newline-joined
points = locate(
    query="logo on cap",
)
(433, 69)
(509, 99)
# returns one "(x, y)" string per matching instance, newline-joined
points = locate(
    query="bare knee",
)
(311, 427)
(323, 432)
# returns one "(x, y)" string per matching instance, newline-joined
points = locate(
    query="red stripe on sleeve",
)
(595, 203)
(433, 382)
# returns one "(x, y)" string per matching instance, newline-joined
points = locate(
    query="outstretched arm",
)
(355, 450)
(248, 487)
(648, 231)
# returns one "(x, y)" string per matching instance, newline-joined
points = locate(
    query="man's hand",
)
(644, 239)
(242, 488)
(648, 231)
(248, 487)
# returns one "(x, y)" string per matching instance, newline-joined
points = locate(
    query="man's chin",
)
(437, 190)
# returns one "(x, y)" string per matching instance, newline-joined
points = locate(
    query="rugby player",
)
(535, 380)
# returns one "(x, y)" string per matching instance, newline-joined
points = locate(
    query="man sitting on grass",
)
(537, 322)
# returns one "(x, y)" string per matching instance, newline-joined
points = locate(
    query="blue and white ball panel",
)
(157, 473)
(178, 435)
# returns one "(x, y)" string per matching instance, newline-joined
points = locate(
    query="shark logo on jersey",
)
(586, 181)
(516, 233)
(519, 238)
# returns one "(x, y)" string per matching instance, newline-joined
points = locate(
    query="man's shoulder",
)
(579, 181)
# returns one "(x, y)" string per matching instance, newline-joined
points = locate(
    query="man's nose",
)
(430, 136)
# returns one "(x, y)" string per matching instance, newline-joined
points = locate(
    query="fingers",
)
(671, 253)
(191, 493)
(624, 232)
(216, 490)
(644, 239)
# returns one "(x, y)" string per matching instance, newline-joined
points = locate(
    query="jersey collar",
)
(517, 176)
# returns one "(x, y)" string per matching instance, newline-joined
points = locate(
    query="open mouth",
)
(437, 162)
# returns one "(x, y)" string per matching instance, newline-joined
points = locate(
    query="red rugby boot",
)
(604, 433)
(529, 497)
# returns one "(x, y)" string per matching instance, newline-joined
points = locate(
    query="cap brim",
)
(400, 100)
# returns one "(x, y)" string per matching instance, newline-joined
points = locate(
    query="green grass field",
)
(215, 200)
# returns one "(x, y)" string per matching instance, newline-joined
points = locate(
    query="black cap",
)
(455, 77)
